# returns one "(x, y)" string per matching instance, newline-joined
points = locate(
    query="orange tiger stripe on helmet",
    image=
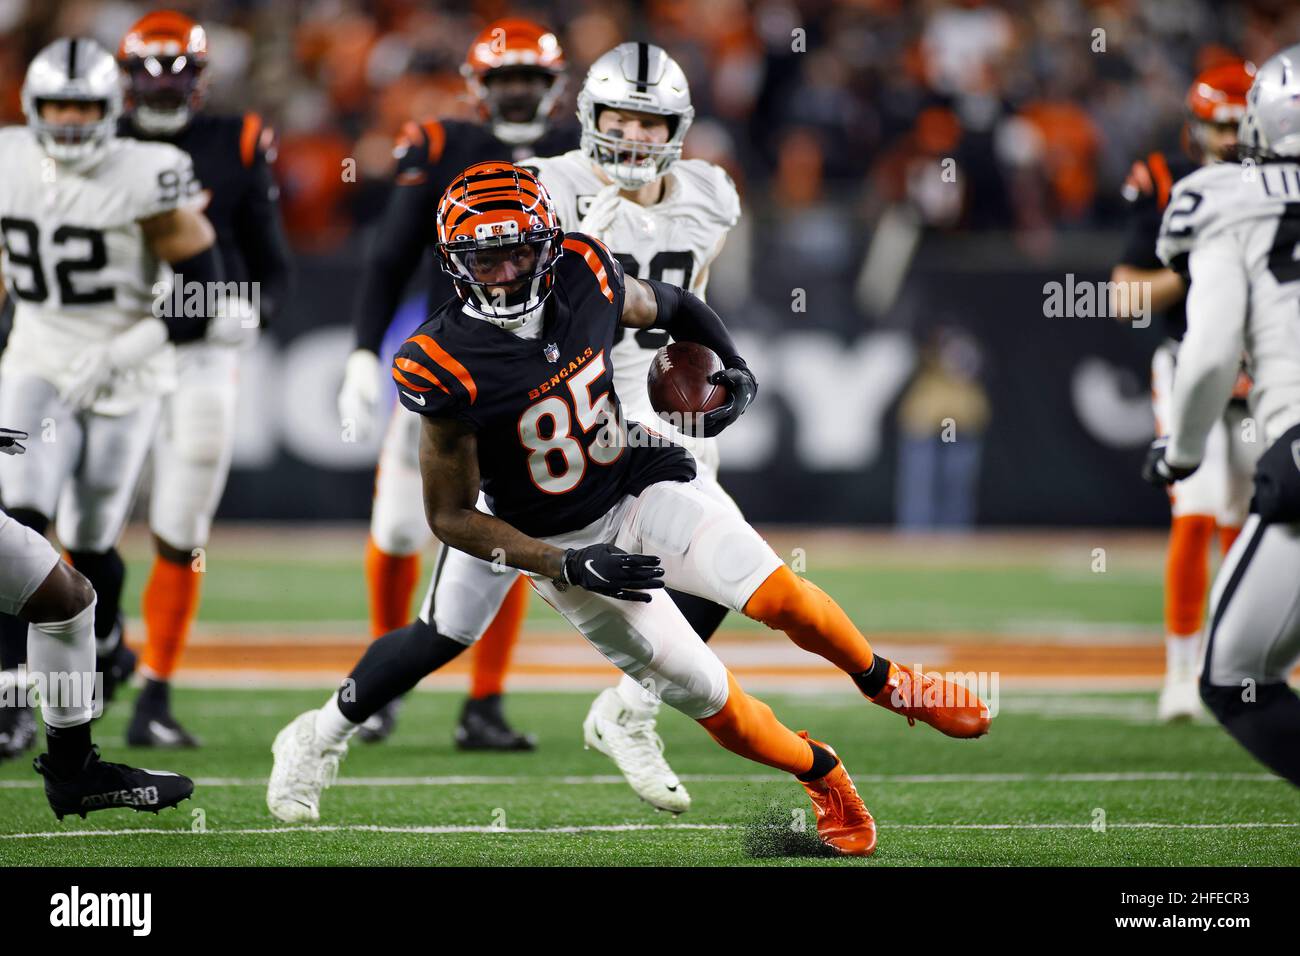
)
(165, 33)
(446, 361)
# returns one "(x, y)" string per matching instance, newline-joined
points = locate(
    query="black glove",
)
(1157, 471)
(613, 572)
(742, 385)
(9, 439)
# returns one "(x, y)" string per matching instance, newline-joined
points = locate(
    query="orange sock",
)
(391, 579)
(1187, 573)
(787, 602)
(170, 603)
(1227, 535)
(747, 726)
(493, 650)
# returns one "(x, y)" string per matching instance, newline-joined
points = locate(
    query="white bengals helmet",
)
(73, 68)
(640, 77)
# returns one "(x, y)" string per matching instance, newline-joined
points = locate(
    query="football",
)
(679, 381)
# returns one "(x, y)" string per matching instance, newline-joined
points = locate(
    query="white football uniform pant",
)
(705, 547)
(1255, 608)
(1222, 486)
(80, 468)
(195, 441)
(26, 560)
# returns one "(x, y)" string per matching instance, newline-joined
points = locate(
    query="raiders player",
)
(663, 218)
(1234, 230)
(515, 71)
(57, 606)
(87, 222)
(164, 57)
(525, 402)
(1217, 497)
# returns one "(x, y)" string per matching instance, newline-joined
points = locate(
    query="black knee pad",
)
(32, 519)
(1224, 702)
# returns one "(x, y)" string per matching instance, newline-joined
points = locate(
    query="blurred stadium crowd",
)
(1042, 103)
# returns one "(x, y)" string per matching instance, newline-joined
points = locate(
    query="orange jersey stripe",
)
(447, 361)
(405, 382)
(248, 137)
(437, 139)
(1164, 179)
(415, 368)
(592, 259)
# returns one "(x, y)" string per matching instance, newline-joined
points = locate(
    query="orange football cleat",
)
(947, 707)
(843, 820)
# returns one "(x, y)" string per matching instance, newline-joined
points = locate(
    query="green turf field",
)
(1064, 779)
(1033, 588)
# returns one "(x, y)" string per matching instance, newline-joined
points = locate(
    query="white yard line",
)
(617, 828)
(610, 779)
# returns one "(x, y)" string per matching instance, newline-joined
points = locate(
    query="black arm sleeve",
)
(260, 238)
(205, 269)
(689, 319)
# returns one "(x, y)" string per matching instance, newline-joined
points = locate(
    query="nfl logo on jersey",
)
(552, 352)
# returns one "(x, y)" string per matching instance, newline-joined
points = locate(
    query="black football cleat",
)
(104, 786)
(17, 731)
(158, 728)
(380, 725)
(483, 727)
(152, 723)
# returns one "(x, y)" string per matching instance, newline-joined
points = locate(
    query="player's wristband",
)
(205, 269)
(687, 318)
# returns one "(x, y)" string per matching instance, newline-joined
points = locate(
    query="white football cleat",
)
(303, 768)
(628, 738)
(1180, 699)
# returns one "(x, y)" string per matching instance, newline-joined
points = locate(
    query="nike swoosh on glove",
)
(9, 441)
(613, 572)
(742, 386)
(1157, 471)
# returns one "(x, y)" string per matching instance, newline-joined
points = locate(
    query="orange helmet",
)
(1218, 95)
(517, 47)
(164, 55)
(499, 239)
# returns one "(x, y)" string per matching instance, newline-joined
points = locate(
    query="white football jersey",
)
(1236, 229)
(674, 241)
(75, 259)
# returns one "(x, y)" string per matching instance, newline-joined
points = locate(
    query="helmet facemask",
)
(501, 276)
(165, 92)
(71, 142)
(630, 163)
(518, 115)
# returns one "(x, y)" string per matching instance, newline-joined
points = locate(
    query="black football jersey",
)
(429, 156)
(550, 454)
(1147, 192)
(241, 196)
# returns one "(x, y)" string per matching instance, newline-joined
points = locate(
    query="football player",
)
(515, 71)
(58, 606)
(663, 218)
(1234, 231)
(88, 221)
(164, 57)
(1218, 495)
(513, 384)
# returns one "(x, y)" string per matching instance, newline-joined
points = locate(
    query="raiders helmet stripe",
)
(72, 58)
(642, 66)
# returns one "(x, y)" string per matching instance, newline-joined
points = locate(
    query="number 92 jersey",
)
(551, 455)
(74, 256)
(1250, 213)
(675, 241)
